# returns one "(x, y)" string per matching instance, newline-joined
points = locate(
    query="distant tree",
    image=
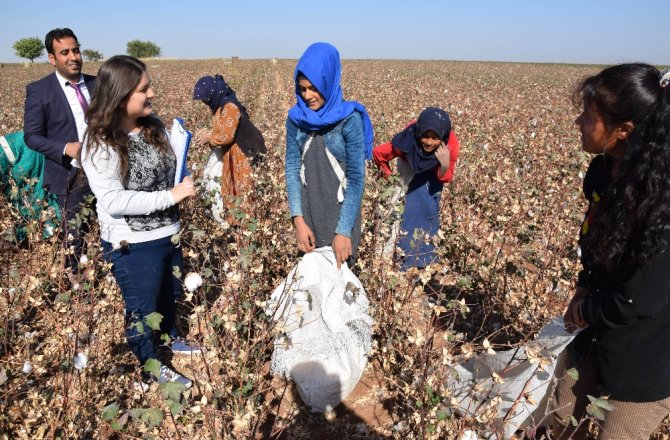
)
(29, 47)
(91, 55)
(143, 49)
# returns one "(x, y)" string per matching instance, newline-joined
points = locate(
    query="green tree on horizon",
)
(29, 47)
(143, 49)
(91, 55)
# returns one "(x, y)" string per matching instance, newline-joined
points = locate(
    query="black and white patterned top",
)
(141, 209)
(150, 170)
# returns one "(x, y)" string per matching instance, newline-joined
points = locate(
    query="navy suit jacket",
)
(48, 124)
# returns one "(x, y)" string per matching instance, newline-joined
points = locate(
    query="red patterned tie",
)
(80, 96)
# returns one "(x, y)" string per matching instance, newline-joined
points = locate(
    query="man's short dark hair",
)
(57, 34)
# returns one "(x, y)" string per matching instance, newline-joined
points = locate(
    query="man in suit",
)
(54, 126)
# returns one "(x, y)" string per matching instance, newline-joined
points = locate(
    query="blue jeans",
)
(144, 274)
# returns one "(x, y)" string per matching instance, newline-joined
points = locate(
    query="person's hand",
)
(386, 174)
(442, 155)
(202, 136)
(183, 190)
(342, 248)
(304, 235)
(72, 149)
(573, 313)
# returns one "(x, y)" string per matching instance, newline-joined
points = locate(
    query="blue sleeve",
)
(354, 146)
(292, 170)
(35, 129)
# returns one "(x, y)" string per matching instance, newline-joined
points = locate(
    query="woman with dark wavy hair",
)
(622, 299)
(131, 167)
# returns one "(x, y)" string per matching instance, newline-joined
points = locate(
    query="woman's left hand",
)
(342, 249)
(183, 190)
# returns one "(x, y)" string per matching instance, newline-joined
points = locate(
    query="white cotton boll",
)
(83, 261)
(192, 281)
(80, 361)
(469, 435)
(116, 245)
(27, 367)
(49, 230)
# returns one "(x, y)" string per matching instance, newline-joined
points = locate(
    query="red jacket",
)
(384, 153)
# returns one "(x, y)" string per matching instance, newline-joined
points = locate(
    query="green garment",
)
(21, 183)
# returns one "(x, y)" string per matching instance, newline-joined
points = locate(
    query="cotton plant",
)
(80, 361)
(192, 281)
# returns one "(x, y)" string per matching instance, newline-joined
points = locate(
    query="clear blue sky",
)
(570, 31)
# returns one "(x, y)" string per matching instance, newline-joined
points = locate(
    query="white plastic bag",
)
(322, 314)
(521, 384)
(211, 181)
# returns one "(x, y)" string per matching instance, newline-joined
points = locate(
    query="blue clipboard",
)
(180, 139)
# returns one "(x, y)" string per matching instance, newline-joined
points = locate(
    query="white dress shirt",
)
(75, 107)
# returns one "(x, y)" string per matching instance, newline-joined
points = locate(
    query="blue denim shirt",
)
(345, 141)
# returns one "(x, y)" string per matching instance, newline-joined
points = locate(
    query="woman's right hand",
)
(572, 314)
(203, 137)
(304, 235)
(183, 190)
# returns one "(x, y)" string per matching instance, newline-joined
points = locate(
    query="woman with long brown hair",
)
(130, 166)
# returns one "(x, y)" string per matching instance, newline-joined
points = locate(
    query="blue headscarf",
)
(320, 64)
(215, 92)
(409, 140)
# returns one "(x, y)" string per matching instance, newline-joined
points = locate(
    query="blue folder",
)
(180, 139)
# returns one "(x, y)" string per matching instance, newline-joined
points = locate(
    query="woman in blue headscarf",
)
(327, 142)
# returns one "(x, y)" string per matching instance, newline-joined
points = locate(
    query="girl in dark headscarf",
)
(238, 143)
(326, 143)
(428, 150)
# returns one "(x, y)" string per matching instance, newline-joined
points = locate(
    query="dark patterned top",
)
(150, 170)
(320, 207)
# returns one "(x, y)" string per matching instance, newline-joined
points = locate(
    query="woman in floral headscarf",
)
(237, 143)
(327, 141)
(427, 150)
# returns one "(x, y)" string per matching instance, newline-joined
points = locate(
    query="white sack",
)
(211, 181)
(521, 374)
(322, 314)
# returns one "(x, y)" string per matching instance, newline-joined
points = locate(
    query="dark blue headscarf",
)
(409, 140)
(320, 64)
(215, 92)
